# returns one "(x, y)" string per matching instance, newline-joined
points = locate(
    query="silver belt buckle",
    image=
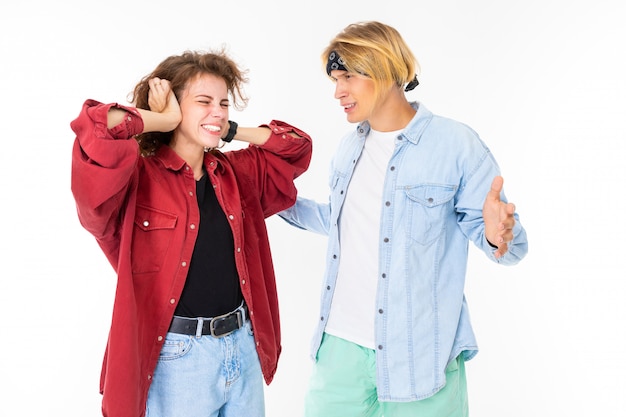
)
(239, 322)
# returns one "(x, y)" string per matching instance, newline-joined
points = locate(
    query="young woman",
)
(195, 326)
(408, 191)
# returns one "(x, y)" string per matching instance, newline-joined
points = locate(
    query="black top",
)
(212, 286)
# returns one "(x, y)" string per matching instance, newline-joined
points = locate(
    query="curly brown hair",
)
(179, 70)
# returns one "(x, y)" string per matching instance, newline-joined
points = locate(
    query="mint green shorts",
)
(343, 384)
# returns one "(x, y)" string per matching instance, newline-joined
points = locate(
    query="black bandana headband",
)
(335, 62)
(411, 85)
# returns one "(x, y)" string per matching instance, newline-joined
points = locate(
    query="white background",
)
(542, 81)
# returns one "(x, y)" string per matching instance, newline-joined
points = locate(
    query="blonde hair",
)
(377, 50)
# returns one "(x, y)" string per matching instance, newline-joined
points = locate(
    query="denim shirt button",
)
(380, 347)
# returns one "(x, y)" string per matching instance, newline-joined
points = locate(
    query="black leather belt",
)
(215, 326)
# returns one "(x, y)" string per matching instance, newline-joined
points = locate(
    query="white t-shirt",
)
(353, 307)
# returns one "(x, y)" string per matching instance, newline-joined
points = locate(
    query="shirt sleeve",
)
(294, 150)
(469, 206)
(104, 163)
(274, 166)
(307, 214)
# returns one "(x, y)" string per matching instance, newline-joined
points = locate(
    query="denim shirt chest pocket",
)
(428, 206)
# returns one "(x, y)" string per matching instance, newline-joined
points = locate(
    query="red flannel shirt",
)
(144, 215)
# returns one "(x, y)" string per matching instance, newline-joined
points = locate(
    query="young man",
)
(408, 191)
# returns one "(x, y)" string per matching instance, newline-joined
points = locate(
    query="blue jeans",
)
(207, 376)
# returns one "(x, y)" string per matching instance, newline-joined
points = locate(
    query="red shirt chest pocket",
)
(152, 235)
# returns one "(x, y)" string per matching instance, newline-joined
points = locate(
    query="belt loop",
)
(199, 327)
(241, 317)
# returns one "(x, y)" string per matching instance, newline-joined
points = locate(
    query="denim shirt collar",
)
(412, 131)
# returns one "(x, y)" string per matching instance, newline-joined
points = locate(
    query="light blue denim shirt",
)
(435, 187)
